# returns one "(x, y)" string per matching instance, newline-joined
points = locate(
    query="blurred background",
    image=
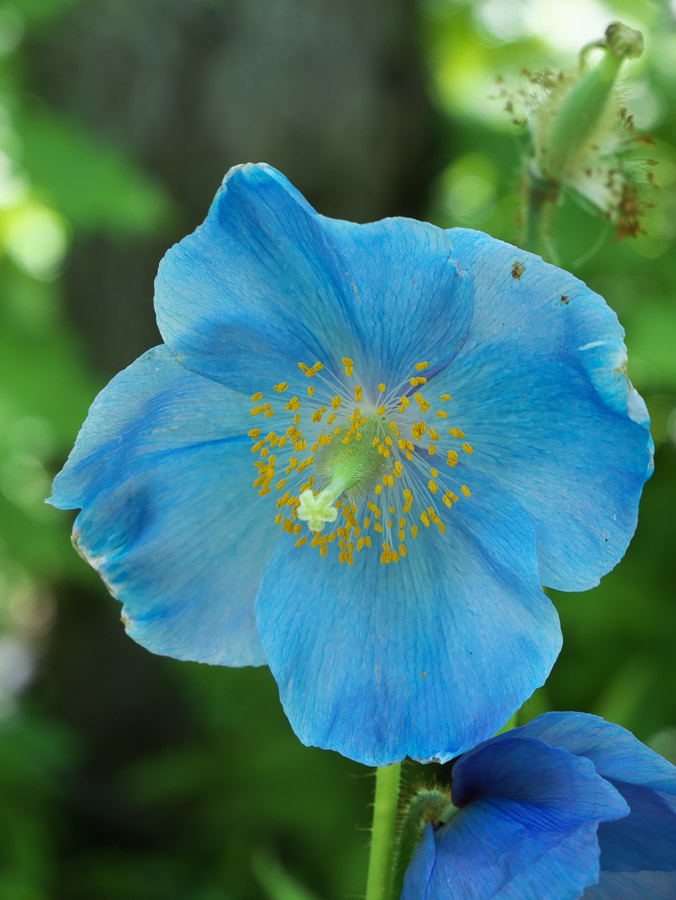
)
(127, 775)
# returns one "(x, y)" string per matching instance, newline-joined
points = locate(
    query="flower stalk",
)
(383, 833)
(428, 805)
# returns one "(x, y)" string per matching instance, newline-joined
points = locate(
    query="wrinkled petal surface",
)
(633, 886)
(540, 389)
(169, 519)
(526, 828)
(265, 282)
(423, 658)
(645, 840)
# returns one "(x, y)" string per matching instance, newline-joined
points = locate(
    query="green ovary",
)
(352, 467)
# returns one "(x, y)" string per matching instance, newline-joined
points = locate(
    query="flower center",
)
(373, 474)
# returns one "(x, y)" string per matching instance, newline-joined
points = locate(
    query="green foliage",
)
(94, 185)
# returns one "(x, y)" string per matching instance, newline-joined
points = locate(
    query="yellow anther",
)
(269, 413)
(367, 522)
(317, 367)
(254, 433)
(335, 403)
(256, 397)
(378, 489)
(281, 387)
(281, 484)
(447, 501)
(296, 419)
(279, 518)
(465, 490)
(452, 458)
(311, 390)
(445, 397)
(402, 550)
(358, 393)
(434, 472)
(264, 452)
(456, 432)
(434, 435)
(442, 414)
(378, 527)
(398, 469)
(414, 531)
(467, 448)
(389, 441)
(257, 446)
(432, 449)
(433, 515)
(360, 543)
(382, 388)
(380, 411)
(404, 403)
(256, 410)
(305, 369)
(432, 485)
(416, 380)
(293, 404)
(421, 366)
(420, 400)
(393, 428)
(424, 519)
(301, 541)
(331, 419)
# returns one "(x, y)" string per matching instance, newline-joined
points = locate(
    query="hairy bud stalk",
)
(568, 139)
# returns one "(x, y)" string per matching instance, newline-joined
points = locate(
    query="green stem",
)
(383, 833)
(428, 805)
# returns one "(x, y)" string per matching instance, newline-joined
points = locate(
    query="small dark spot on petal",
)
(518, 269)
(564, 299)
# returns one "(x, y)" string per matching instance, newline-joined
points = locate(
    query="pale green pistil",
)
(351, 465)
(317, 509)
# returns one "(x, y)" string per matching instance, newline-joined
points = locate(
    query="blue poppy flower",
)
(357, 456)
(567, 806)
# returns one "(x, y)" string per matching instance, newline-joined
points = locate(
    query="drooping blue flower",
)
(567, 806)
(358, 455)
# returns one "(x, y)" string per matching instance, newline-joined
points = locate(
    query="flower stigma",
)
(379, 466)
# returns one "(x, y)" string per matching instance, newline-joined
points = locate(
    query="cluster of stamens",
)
(375, 468)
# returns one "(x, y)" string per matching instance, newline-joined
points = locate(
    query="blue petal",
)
(633, 886)
(526, 829)
(616, 752)
(540, 389)
(420, 870)
(266, 283)
(162, 469)
(647, 838)
(425, 657)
